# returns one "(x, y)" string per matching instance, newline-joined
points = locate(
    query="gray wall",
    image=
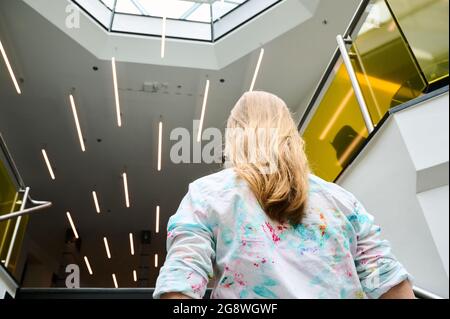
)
(402, 179)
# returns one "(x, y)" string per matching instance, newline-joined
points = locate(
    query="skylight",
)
(204, 20)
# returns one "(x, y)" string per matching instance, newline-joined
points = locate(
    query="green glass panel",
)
(425, 25)
(387, 71)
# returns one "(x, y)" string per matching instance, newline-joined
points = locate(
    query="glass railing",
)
(383, 60)
(14, 214)
(10, 201)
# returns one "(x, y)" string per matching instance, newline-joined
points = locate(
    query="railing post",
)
(16, 227)
(355, 84)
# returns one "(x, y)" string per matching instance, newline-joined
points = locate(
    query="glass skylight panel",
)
(108, 3)
(204, 20)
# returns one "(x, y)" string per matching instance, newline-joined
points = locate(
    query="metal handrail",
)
(40, 205)
(354, 81)
(21, 185)
(425, 294)
(337, 54)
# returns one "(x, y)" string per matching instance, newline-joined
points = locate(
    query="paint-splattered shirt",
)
(220, 233)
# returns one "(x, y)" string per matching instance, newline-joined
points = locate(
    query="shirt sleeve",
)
(190, 249)
(377, 267)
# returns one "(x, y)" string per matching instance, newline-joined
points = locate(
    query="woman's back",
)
(220, 231)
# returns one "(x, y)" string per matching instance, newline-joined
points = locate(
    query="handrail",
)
(425, 294)
(354, 80)
(21, 184)
(40, 205)
(351, 27)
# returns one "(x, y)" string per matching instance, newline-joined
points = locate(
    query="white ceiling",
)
(51, 63)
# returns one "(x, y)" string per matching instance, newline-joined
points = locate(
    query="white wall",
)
(402, 179)
(7, 284)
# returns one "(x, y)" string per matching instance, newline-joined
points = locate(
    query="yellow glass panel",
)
(17, 248)
(425, 24)
(9, 198)
(7, 190)
(387, 71)
(336, 131)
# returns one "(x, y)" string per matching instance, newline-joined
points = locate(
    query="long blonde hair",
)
(264, 147)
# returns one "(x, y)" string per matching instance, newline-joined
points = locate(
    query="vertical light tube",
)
(160, 146)
(202, 117)
(258, 65)
(157, 220)
(108, 252)
(88, 265)
(134, 276)
(125, 189)
(116, 92)
(97, 206)
(131, 244)
(10, 70)
(115, 281)
(156, 260)
(77, 122)
(49, 166)
(69, 217)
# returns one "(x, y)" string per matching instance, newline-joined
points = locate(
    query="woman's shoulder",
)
(327, 190)
(223, 181)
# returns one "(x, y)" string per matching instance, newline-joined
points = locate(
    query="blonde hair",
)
(264, 147)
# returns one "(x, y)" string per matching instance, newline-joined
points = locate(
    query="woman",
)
(266, 228)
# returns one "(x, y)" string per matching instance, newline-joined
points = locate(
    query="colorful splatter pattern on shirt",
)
(220, 233)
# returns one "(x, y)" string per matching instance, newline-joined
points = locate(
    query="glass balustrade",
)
(11, 233)
(391, 67)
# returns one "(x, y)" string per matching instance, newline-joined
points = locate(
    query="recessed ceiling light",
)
(69, 217)
(49, 166)
(157, 220)
(116, 92)
(131, 244)
(156, 260)
(97, 206)
(77, 122)
(88, 265)
(125, 189)
(115, 280)
(160, 145)
(258, 65)
(10, 70)
(202, 117)
(108, 252)
(134, 276)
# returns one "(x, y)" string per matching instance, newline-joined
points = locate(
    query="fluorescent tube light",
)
(258, 65)
(9, 67)
(131, 244)
(108, 252)
(97, 206)
(88, 265)
(69, 217)
(77, 123)
(202, 117)
(116, 92)
(49, 166)
(125, 188)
